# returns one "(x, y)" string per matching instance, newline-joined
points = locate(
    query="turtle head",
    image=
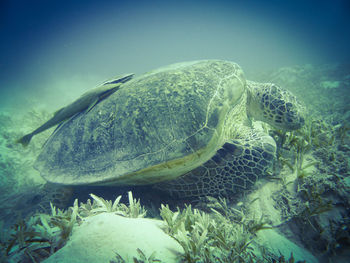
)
(278, 107)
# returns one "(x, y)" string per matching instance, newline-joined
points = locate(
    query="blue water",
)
(86, 41)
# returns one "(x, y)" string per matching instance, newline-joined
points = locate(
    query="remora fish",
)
(86, 102)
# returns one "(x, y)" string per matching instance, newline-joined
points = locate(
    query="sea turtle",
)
(184, 128)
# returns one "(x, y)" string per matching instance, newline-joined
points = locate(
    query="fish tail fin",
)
(25, 140)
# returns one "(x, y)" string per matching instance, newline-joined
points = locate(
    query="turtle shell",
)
(156, 127)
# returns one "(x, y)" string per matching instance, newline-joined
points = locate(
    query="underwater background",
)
(53, 51)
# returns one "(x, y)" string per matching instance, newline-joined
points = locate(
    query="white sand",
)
(98, 237)
(280, 245)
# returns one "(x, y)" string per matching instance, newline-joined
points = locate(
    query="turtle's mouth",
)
(287, 123)
(283, 110)
(282, 117)
(293, 121)
(295, 125)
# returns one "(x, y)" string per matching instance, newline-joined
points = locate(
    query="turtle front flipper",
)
(235, 167)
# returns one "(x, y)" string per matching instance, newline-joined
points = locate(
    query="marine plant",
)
(343, 132)
(315, 203)
(142, 258)
(223, 235)
(100, 205)
(43, 234)
(292, 149)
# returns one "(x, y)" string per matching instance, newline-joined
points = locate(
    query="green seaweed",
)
(134, 210)
(342, 132)
(315, 204)
(142, 258)
(223, 235)
(100, 205)
(27, 243)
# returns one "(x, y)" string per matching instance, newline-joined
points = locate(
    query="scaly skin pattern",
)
(278, 107)
(236, 166)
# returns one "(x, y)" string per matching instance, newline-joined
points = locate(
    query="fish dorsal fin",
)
(114, 84)
(58, 111)
(119, 79)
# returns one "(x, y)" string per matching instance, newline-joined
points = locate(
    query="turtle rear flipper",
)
(236, 166)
